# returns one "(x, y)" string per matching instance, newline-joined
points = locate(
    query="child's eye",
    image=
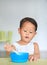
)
(25, 31)
(30, 32)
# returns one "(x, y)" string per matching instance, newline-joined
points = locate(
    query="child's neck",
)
(22, 42)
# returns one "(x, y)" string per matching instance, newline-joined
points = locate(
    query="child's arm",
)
(36, 54)
(36, 50)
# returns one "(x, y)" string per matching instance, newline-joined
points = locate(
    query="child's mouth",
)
(27, 37)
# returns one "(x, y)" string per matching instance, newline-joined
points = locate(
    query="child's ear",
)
(35, 33)
(19, 30)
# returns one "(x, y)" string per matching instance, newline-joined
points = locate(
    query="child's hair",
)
(31, 20)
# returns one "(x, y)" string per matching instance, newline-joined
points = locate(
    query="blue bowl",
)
(18, 58)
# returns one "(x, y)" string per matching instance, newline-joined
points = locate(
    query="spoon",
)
(15, 51)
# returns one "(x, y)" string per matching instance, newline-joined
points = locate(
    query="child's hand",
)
(33, 58)
(8, 47)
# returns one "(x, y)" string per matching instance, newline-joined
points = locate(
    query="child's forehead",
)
(28, 26)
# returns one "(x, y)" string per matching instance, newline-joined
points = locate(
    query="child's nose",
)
(27, 33)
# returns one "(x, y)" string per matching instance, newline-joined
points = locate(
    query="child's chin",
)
(27, 41)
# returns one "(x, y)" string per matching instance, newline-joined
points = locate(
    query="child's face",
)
(27, 32)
